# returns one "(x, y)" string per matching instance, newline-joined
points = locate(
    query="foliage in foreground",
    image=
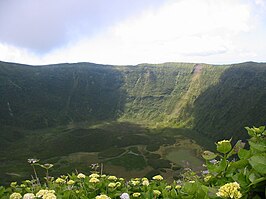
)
(231, 172)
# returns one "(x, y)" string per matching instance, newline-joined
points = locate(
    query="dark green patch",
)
(159, 163)
(129, 161)
(111, 152)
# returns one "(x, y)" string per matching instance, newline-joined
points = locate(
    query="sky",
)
(129, 32)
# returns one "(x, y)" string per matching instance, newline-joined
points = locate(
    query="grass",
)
(129, 161)
(124, 145)
(111, 152)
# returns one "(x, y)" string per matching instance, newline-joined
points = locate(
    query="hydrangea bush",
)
(237, 171)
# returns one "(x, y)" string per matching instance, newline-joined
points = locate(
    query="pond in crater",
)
(184, 157)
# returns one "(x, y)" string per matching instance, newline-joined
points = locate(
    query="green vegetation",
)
(212, 100)
(114, 144)
(244, 176)
(129, 161)
(77, 114)
(111, 152)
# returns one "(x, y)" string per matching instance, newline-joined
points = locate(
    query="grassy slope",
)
(209, 99)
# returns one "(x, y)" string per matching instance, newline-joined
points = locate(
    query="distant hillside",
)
(214, 100)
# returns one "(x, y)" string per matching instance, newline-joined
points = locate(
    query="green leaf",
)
(238, 164)
(208, 155)
(243, 154)
(253, 176)
(251, 131)
(261, 146)
(190, 188)
(173, 193)
(241, 179)
(222, 165)
(258, 180)
(224, 146)
(258, 162)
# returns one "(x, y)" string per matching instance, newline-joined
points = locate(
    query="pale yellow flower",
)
(224, 142)
(168, 187)
(112, 178)
(94, 175)
(157, 177)
(29, 196)
(145, 183)
(178, 186)
(229, 190)
(44, 192)
(49, 196)
(15, 196)
(81, 176)
(94, 180)
(40, 193)
(135, 182)
(207, 178)
(102, 196)
(13, 184)
(136, 194)
(27, 182)
(111, 184)
(118, 184)
(60, 181)
(156, 192)
(71, 182)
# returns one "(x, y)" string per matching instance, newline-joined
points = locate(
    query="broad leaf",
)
(258, 162)
(261, 146)
(243, 154)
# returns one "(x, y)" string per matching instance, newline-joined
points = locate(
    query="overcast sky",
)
(132, 31)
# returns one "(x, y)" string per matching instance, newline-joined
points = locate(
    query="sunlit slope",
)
(165, 93)
(209, 99)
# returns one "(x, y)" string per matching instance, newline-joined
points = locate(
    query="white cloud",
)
(185, 30)
(15, 54)
(260, 2)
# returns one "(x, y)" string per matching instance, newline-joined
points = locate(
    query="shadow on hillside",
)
(237, 101)
(46, 96)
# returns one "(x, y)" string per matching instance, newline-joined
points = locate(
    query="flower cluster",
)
(81, 176)
(15, 196)
(46, 194)
(157, 177)
(229, 190)
(102, 196)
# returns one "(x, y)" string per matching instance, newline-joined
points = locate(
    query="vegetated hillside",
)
(238, 100)
(213, 100)
(43, 96)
